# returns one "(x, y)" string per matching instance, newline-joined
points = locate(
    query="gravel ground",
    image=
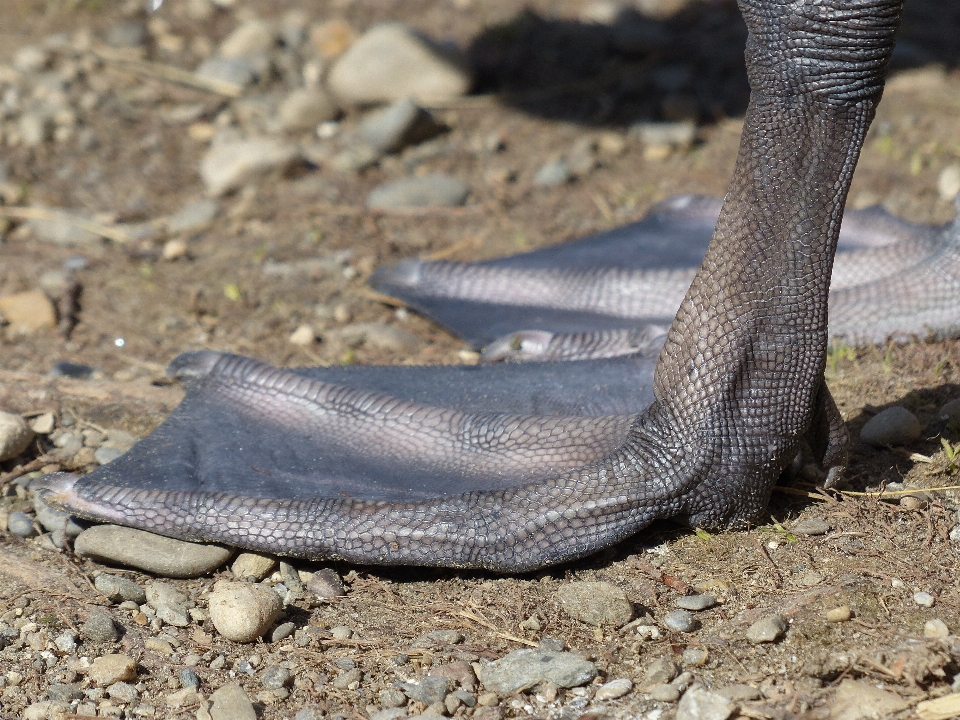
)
(224, 175)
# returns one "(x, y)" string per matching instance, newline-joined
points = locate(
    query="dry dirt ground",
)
(544, 82)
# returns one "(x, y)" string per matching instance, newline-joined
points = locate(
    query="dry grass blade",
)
(42, 213)
(498, 633)
(169, 73)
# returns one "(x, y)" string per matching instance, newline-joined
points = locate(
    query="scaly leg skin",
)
(738, 384)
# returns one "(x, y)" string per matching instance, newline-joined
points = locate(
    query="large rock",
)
(159, 555)
(390, 62)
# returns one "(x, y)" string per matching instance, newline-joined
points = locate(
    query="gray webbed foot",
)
(495, 466)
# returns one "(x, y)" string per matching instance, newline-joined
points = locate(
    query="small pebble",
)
(188, 678)
(230, 702)
(276, 676)
(839, 614)
(230, 165)
(341, 632)
(680, 621)
(326, 583)
(252, 566)
(701, 704)
(64, 692)
(347, 678)
(695, 657)
(810, 578)
(392, 698)
(242, 612)
(696, 602)
(282, 632)
(123, 692)
(66, 642)
(119, 589)
(15, 434)
(398, 125)
(157, 645)
(767, 629)
(948, 182)
(252, 37)
(108, 669)
(553, 174)
(551, 644)
(935, 628)
(305, 108)
(595, 603)
(924, 599)
(44, 424)
(433, 190)
(391, 61)
(528, 667)
(99, 627)
(811, 526)
(660, 671)
(613, 690)
(303, 336)
(21, 525)
(893, 426)
(664, 693)
(432, 689)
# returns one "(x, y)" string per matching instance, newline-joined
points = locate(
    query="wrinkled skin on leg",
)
(357, 472)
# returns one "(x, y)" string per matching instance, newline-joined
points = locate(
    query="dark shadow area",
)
(688, 66)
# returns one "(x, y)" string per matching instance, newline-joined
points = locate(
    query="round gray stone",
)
(15, 435)
(20, 524)
(276, 676)
(118, 588)
(112, 544)
(769, 628)
(553, 174)
(696, 602)
(392, 61)
(230, 702)
(434, 190)
(99, 627)
(680, 621)
(230, 165)
(893, 426)
(326, 583)
(812, 526)
(400, 124)
(305, 108)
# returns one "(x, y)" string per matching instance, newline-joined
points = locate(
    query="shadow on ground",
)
(688, 66)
